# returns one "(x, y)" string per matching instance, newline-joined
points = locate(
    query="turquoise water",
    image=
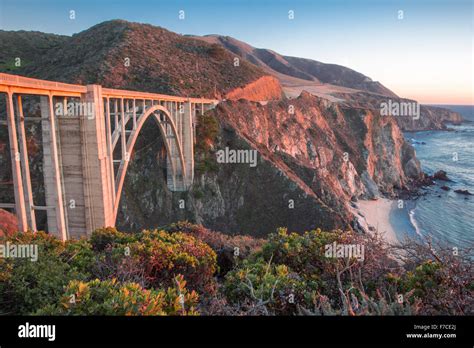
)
(445, 215)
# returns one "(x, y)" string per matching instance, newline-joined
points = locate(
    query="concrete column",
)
(30, 214)
(20, 209)
(188, 143)
(134, 115)
(194, 118)
(110, 152)
(123, 136)
(51, 171)
(98, 197)
(70, 139)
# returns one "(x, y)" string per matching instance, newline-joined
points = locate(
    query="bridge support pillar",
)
(51, 171)
(188, 143)
(98, 195)
(20, 208)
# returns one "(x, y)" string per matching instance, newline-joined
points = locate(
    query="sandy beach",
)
(377, 214)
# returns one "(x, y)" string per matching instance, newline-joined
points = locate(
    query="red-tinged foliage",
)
(8, 223)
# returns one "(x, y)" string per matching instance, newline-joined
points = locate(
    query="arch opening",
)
(175, 164)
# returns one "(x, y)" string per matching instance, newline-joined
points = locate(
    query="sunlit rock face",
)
(313, 157)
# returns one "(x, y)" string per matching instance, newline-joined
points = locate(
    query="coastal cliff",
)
(311, 163)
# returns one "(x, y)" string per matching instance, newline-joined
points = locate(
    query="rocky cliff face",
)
(430, 117)
(264, 89)
(234, 198)
(314, 156)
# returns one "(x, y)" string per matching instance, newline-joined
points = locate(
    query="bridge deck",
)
(27, 85)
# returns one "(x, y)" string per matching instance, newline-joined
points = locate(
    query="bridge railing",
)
(26, 85)
(94, 142)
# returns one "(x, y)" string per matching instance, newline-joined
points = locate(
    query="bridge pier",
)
(18, 187)
(28, 192)
(76, 168)
(51, 171)
(98, 196)
(188, 142)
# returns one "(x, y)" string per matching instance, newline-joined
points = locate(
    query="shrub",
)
(217, 52)
(164, 255)
(155, 258)
(116, 262)
(229, 249)
(110, 297)
(426, 278)
(102, 237)
(266, 288)
(207, 130)
(28, 285)
(78, 254)
(303, 253)
(361, 304)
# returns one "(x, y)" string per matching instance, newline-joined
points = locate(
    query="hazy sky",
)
(427, 55)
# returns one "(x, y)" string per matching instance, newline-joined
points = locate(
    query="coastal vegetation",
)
(186, 269)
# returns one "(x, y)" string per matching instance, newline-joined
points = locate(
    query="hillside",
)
(331, 81)
(160, 61)
(300, 68)
(26, 45)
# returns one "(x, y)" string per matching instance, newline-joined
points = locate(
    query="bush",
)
(164, 255)
(207, 130)
(266, 288)
(216, 51)
(438, 275)
(229, 249)
(361, 304)
(110, 297)
(27, 285)
(155, 256)
(303, 253)
(103, 237)
(78, 254)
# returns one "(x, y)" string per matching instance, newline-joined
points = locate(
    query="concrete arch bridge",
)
(88, 135)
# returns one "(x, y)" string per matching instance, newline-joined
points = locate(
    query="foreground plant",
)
(109, 297)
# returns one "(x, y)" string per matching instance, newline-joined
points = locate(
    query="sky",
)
(425, 52)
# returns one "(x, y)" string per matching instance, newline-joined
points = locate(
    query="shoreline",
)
(379, 214)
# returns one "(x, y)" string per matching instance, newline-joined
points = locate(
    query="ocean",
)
(445, 216)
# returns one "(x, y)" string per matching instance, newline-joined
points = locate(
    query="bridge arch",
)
(155, 111)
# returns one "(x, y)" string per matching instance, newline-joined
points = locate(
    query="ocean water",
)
(445, 216)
